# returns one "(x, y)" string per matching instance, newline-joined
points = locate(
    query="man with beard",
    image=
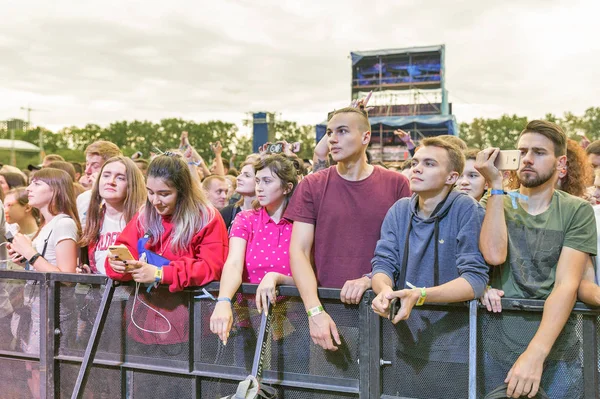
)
(539, 240)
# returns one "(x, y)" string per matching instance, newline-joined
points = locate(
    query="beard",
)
(537, 179)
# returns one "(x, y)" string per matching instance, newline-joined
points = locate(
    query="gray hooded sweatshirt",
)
(449, 238)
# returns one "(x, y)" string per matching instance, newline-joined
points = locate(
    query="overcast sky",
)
(100, 61)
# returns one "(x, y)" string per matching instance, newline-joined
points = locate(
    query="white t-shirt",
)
(60, 228)
(83, 203)
(111, 229)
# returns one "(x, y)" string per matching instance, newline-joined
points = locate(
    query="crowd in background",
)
(447, 227)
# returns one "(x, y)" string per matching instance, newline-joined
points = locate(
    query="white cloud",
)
(97, 62)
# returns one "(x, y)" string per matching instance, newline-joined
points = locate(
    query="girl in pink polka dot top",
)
(259, 242)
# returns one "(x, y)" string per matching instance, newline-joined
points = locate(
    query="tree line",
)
(145, 136)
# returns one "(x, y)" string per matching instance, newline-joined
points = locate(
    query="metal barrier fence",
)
(444, 351)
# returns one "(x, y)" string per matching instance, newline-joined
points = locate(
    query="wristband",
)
(34, 258)
(315, 311)
(421, 299)
(224, 299)
(368, 275)
(514, 195)
(158, 274)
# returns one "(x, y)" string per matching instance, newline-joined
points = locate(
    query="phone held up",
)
(508, 160)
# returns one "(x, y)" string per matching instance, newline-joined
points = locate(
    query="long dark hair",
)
(63, 197)
(134, 199)
(192, 210)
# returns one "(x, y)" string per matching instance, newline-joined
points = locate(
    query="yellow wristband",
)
(158, 274)
(421, 299)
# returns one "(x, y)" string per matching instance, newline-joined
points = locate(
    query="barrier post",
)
(473, 349)
(47, 336)
(590, 357)
(364, 342)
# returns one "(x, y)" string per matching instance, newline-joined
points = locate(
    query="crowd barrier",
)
(376, 360)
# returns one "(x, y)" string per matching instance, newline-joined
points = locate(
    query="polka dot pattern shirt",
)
(268, 244)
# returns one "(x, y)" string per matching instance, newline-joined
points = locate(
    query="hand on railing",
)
(353, 290)
(83, 269)
(492, 299)
(322, 328)
(408, 298)
(266, 291)
(221, 320)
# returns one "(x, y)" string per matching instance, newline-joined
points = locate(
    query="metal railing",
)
(376, 359)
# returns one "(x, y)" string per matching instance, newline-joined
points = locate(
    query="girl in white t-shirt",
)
(117, 195)
(54, 247)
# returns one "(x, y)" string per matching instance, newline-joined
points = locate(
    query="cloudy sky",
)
(100, 61)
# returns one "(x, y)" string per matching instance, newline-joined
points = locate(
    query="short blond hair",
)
(105, 149)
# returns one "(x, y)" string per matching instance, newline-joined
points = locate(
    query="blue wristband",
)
(223, 299)
(497, 192)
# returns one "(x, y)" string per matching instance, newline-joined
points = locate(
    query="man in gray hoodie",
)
(430, 241)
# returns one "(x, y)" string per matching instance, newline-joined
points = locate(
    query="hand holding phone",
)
(508, 160)
(121, 253)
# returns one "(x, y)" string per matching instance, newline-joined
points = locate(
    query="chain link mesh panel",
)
(241, 344)
(102, 383)
(149, 385)
(132, 329)
(428, 354)
(19, 379)
(291, 348)
(211, 389)
(503, 337)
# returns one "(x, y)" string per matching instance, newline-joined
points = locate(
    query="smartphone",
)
(121, 252)
(275, 148)
(508, 160)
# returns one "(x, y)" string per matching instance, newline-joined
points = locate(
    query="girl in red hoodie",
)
(180, 241)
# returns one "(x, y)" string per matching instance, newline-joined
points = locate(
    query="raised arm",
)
(493, 240)
(321, 325)
(320, 160)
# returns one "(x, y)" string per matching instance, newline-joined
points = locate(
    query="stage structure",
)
(409, 93)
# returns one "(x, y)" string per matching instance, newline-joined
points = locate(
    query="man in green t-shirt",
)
(539, 247)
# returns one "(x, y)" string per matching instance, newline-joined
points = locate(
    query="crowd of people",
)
(448, 227)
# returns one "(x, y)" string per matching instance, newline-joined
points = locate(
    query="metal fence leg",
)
(364, 345)
(473, 349)
(375, 353)
(47, 337)
(92, 346)
(590, 357)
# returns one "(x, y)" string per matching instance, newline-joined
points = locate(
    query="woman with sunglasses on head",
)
(259, 242)
(180, 241)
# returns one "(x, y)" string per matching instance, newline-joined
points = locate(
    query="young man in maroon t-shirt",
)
(340, 210)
